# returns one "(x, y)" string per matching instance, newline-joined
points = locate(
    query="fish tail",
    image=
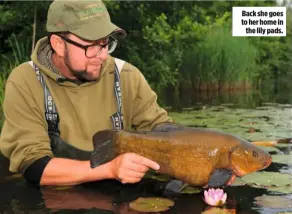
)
(104, 147)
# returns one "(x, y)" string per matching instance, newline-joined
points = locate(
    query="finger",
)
(131, 180)
(138, 167)
(133, 174)
(145, 161)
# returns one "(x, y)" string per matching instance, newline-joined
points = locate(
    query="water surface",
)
(258, 121)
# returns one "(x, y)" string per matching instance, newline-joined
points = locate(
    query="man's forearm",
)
(60, 171)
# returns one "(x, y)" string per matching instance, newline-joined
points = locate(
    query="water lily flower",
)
(215, 197)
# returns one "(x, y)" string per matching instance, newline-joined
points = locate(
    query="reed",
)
(221, 60)
(20, 53)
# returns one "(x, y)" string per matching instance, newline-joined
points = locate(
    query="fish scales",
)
(176, 150)
(188, 154)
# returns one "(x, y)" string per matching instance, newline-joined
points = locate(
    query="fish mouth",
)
(240, 173)
(268, 162)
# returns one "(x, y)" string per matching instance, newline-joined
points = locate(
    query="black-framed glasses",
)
(94, 49)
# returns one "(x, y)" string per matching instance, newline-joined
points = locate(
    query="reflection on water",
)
(238, 98)
(113, 197)
(109, 197)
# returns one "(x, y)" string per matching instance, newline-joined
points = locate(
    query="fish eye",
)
(255, 154)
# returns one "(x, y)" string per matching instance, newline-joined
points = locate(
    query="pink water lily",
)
(215, 197)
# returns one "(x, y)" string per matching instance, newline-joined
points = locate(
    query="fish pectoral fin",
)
(167, 127)
(174, 186)
(103, 151)
(220, 177)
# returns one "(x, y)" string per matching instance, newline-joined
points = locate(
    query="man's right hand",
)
(127, 168)
(130, 167)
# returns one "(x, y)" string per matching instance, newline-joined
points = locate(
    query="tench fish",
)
(195, 156)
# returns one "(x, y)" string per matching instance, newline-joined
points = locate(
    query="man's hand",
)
(130, 167)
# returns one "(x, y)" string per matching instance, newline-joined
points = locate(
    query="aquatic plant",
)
(151, 204)
(215, 197)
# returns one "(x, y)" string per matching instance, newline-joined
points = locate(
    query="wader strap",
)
(117, 118)
(51, 114)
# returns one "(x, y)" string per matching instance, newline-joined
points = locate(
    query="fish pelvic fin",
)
(174, 187)
(104, 148)
(220, 177)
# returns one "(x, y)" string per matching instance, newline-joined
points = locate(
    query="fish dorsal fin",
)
(167, 127)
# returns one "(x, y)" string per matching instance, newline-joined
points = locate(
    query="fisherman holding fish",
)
(72, 88)
(75, 114)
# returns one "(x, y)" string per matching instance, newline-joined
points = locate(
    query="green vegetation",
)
(19, 55)
(260, 124)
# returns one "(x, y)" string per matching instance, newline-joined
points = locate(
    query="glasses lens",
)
(112, 46)
(93, 50)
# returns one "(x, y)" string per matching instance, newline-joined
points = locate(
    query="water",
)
(108, 197)
(238, 98)
(112, 197)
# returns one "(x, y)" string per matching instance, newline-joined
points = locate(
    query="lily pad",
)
(287, 150)
(151, 204)
(238, 182)
(286, 170)
(272, 122)
(190, 190)
(285, 105)
(267, 179)
(270, 201)
(282, 189)
(270, 149)
(270, 104)
(285, 159)
(157, 176)
(216, 210)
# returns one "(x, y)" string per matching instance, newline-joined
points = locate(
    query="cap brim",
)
(90, 31)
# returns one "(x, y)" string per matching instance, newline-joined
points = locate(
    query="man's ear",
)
(58, 45)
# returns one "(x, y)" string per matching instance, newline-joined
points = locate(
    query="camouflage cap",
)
(89, 20)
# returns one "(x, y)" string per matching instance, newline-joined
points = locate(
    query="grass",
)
(20, 53)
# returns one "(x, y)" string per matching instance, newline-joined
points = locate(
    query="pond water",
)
(268, 121)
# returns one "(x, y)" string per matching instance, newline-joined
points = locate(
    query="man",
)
(71, 89)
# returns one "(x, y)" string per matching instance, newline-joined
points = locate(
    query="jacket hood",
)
(43, 49)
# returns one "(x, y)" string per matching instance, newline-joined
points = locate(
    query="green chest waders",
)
(59, 147)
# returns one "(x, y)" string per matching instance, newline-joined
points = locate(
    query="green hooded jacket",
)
(83, 109)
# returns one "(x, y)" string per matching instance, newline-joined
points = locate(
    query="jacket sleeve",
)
(146, 111)
(24, 137)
